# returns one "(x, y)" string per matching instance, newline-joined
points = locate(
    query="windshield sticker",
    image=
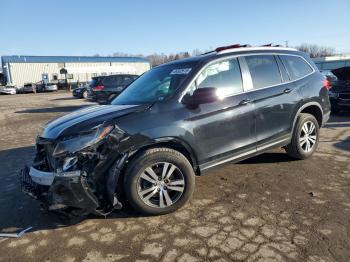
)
(183, 71)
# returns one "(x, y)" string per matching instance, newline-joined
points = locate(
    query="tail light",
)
(99, 88)
(326, 84)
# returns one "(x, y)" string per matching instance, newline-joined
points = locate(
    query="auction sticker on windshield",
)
(182, 71)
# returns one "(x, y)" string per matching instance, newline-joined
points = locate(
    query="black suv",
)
(105, 88)
(175, 122)
(339, 93)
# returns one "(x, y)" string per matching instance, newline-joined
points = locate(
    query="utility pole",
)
(286, 43)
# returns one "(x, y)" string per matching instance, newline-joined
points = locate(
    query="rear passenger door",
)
(274, 97)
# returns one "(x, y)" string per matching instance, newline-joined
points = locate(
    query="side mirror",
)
(200, 96)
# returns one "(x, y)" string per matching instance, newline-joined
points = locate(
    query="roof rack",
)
(226, 49)
(271, 45)
(222, 48)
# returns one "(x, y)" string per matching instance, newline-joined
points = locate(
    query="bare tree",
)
(158, 59)
(316, 50)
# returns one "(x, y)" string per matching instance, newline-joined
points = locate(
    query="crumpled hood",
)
(87, 118)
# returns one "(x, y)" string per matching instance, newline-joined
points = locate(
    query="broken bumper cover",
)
(41, 177)
(59, 191)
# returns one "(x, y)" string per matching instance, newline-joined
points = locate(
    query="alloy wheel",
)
(161, 185)
(308, 136)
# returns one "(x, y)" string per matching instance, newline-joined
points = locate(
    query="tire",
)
(85, 94)
(159, 159)
(298, 148)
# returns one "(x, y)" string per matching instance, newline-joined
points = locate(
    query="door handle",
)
(287, 91)
(245, 102)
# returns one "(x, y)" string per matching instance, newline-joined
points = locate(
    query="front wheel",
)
(159, 181)
(305, 137)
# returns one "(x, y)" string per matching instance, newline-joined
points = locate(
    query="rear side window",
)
(113, 80)
(223, 75)
(263, 70)
(297, 67)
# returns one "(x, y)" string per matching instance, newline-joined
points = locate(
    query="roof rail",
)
(271, 45)
(222, 48)
(225, 49)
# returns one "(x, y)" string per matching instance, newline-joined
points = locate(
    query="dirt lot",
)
(269, 208)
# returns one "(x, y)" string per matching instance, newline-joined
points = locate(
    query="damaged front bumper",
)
(59, 191)
(66, 176)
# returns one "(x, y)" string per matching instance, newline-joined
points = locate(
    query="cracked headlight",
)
(82, 141)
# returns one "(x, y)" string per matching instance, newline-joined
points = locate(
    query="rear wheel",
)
(305, 137)
(159, 181)
(85, 94)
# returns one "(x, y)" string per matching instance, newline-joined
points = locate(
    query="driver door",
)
(225, 129)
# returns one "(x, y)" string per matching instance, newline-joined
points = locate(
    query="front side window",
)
(223, 75)
(296, 66)
(263, 70)
(155, 85)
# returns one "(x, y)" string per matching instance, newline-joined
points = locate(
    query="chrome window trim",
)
(240, 57)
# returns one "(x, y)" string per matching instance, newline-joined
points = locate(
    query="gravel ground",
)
(269, 208)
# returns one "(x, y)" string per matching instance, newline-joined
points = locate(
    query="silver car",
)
(51, 87)
(8, 90)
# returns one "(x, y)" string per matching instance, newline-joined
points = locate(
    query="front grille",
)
(345, 96)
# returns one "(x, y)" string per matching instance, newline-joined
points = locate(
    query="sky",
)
(83, 27)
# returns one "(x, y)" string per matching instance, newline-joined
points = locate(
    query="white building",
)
(19, 70)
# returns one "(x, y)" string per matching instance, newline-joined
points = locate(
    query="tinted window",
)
(263, 70)
(96, 81)
(224, 75)
(296, 66)
(128, 79)
(113, 80)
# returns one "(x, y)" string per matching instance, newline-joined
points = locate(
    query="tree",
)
(316, 50)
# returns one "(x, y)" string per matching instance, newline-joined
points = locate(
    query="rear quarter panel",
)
(312, 90)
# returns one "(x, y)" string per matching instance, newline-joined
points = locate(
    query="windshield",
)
(155, 85)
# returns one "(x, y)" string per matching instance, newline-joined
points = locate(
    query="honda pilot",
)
(176, 122)
(105, 88)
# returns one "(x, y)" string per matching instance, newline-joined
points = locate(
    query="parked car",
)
(50, 87)
(105, 88)
(339, 93)
(80, 92)
(28, 88)
(62, 84)
(8, 90)
(176, 121)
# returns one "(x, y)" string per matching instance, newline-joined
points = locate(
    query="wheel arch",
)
(313, 108)
(173, 143)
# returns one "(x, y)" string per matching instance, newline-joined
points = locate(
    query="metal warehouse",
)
(19, 70)
(332, 62)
